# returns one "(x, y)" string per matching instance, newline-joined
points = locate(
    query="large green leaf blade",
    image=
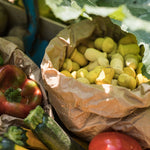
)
(63, 10)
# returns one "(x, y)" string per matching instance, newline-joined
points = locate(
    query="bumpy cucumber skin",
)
(54, 137)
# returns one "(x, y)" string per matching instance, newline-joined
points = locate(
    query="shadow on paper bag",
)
(87, 110)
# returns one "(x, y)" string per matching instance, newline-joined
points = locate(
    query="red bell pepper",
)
(18, 94)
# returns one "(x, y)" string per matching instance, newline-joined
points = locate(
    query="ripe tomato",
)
(113, 141)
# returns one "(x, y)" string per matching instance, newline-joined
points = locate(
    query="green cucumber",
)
(49, 131)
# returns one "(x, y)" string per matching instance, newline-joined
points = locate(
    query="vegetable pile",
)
(104, 61)
(97, 60)
(43, 133)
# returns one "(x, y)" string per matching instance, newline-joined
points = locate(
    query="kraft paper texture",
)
(87, 110)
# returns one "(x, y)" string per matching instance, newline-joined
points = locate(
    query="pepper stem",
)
(13, 95)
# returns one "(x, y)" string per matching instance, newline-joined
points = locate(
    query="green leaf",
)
(118, 14)
(63, 9)
(69, 9)
(67, 13)
(102, 11)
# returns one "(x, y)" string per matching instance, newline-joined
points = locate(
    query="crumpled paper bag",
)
(87, 110)
(12, 55)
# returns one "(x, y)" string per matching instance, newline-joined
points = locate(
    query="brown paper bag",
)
(87, 110)
(12, 55)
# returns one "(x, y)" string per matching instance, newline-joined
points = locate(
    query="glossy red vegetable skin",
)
(113, 141)
(31, 95)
